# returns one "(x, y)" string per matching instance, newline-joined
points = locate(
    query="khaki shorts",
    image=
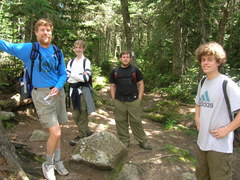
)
(50, 113)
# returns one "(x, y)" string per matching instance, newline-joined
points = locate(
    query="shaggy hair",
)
(211, 48)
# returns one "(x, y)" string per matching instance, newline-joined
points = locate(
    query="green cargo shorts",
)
(213, 165)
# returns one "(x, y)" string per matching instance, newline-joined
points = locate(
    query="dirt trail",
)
(169, 159)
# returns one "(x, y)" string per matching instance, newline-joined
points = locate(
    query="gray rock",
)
(101, 150)
(39, 135)
(5, 116)
(129, 172)
(188, 176)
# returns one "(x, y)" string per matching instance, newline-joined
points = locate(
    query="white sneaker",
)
(48, 171)
(59, 167)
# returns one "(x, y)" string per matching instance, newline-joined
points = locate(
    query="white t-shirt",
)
(75, 72)
(214, 113)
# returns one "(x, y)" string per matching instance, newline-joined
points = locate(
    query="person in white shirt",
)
(216, 130)
(81, 91)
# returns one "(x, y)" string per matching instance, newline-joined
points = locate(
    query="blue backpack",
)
(26, 79)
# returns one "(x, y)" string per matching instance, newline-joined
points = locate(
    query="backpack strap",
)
(84, 64)
(71, 62)
(58, 54)
(33, 55)
(35, 51)
(224, 86)
(115, 72)
(134, 75)
(84, 67)
(202, 80)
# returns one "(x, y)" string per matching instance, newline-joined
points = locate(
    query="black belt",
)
(46, 87)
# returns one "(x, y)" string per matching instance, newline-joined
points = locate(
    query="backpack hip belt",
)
(126, 98)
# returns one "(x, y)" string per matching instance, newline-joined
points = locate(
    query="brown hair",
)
(125, 52)
(80, 43)
(43, 22)
(211, 48)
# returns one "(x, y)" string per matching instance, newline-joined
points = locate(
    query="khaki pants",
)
(80, 116)
(129, 113)
(212, 165)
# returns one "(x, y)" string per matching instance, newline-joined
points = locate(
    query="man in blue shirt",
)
(48, 78)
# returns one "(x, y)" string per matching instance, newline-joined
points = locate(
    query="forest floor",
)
(173, 154)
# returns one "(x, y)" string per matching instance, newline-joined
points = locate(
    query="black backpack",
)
(236, 141)
(26, 79)
(84, 68)
(133, 72)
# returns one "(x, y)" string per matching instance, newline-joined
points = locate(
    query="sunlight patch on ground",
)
(157, 132)
(102, 112)
(99, 127)
(105, 89)
(144, 122)
(155, 160)
(109, 121)
(148, 133)
(69, 125)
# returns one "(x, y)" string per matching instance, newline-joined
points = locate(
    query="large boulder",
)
(101, 150)
(39, 135)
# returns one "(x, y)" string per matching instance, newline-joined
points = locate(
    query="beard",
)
(44, 41)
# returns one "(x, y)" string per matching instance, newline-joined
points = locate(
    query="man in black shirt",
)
(126, 88)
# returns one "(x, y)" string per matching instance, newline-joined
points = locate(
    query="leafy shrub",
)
(184, 89)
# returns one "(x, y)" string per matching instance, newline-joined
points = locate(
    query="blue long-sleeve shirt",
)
(45, 74)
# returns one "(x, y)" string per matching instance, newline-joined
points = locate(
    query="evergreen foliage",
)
(165, 35)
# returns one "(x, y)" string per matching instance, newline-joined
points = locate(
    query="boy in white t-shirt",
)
(81, 91)
(215, 138)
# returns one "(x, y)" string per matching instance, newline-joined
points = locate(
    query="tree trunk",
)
(223, 22)
(127, 24)
(178, 43)
(202, 28)
(202, 21)
(8, 152)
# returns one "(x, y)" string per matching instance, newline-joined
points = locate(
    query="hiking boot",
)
(74, 141)
(89, 133)
(146, 146)
(59, 167)
(48, 171)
